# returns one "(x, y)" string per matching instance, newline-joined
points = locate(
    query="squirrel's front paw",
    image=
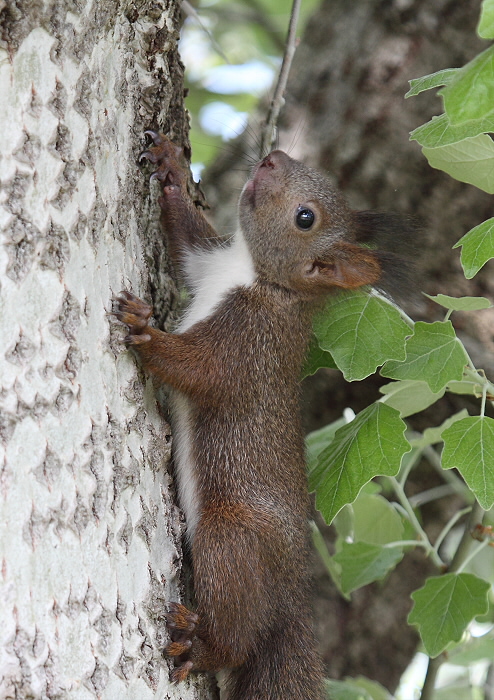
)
(135, 314)
(181, 623)
(167, 156)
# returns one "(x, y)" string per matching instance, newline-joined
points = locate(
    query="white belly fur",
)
(210, 275)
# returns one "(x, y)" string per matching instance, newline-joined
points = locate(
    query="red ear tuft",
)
(346, 266)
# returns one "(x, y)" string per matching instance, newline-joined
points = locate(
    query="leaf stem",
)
(476, 516)
(409, 465)
(432, 494)
(326, 558)
(478, 377)
(432, 457)
(408, 320)
(406, 543)
(430, 678)
(448, 475)
(472, 554)
(400, 492)
(449, 525)
(484, 398)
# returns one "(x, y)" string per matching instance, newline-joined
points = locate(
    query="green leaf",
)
(409, 396)
(477, 247)
(434, 355)
(476, 649)
(356, 689)
(363, 563)
(465, 387)
(318, 440)
(361, 331)
(460, 303)
(485, 27)
(317, 358)
(375, 690)
(345, 690)
(459, 692)
(343, 522)
(375, 521)
(470, 94)
(432, 436)
(445, 606)
(470, 160)
(373, 444)
(440, 132)
(433, 80)
(469, 446)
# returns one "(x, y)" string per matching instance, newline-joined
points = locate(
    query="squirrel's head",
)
(301, 232)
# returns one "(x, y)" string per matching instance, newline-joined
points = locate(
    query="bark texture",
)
(89, 535)
(345, 113)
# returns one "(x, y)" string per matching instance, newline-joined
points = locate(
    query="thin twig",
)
(268, 135)
(192, 12)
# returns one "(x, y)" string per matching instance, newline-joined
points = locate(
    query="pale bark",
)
(89, 534)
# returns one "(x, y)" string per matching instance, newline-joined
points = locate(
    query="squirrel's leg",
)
(233, 584)
(180, 360)
(184, 223)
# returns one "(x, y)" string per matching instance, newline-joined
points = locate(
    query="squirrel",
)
(234, 365)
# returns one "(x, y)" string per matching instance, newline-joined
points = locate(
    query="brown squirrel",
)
(234, 364)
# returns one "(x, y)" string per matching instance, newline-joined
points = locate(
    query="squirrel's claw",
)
(178, 648)
(166, 155)
(148, 155)
(137, 339)
(156, 137)
(180, 673)
(135, 313)
(181, 624)
(181, 618)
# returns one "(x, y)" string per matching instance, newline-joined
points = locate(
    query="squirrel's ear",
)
(346, 266)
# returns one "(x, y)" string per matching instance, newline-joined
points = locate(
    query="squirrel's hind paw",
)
(180, 618)
(181, 623)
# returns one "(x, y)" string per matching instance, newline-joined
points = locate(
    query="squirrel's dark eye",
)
(304, 218)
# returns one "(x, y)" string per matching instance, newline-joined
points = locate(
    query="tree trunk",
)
(89, 534)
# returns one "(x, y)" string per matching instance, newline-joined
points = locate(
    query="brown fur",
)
(240, 369)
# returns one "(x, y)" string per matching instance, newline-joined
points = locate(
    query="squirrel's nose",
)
(274, 159)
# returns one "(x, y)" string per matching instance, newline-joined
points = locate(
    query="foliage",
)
(359, 332)
(444, 607)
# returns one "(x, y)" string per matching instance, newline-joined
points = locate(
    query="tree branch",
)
(268, 133)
